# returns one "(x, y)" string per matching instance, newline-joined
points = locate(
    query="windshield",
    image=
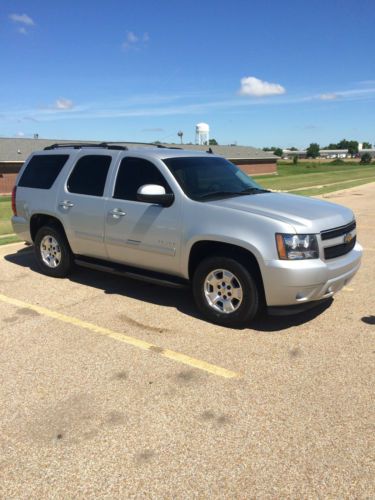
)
(205, 178)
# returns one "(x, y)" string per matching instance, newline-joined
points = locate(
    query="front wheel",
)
(52, 252)
(225, 291)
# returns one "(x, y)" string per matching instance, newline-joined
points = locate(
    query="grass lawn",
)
(5, 224)
(305, 175)
(5, 215)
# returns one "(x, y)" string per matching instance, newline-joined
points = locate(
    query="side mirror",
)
(152, 193)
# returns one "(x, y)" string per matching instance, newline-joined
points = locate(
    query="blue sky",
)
(261, 73)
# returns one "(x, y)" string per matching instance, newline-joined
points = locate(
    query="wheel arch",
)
(206, 248)
(39, 220)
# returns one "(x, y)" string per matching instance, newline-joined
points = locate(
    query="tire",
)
(212, 299)
(52, 252)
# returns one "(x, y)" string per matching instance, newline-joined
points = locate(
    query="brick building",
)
(14, 151)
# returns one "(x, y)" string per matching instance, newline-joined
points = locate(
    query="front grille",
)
(338, 231)
(338, 250)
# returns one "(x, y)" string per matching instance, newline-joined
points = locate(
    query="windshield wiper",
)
(249, 190)
(254, 190)
(218, 193)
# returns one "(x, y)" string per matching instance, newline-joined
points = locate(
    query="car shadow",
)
(180, 299)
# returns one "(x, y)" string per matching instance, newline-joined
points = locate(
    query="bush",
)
(337, 162)
(366, 158)
(295, 160)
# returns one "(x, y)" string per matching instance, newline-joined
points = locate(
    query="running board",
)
(131, 272)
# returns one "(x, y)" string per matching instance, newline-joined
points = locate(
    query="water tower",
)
(202, 134)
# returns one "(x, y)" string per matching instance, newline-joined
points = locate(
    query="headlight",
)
(297, 246)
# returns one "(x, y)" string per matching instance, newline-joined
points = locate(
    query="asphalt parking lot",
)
(111, 388)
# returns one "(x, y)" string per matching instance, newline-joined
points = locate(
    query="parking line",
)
(141, 344)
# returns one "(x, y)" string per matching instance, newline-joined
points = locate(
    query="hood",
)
(301, 212)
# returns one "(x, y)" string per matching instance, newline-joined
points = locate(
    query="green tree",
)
(366, 158)
(213, 142)
(313, 150)
(295, 160)
(278, 152)
(366, 145)
(351, 146)
(331, 146)
(293, 149)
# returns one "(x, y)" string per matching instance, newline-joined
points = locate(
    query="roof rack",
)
(166, 147)
(156, 145)
(107, 145)
(79, 145)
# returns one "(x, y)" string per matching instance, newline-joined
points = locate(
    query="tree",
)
(293, 149)
(351, 146)
(366, 158)
(295, 160)
(213, 142)
(366, 145)
(278, 152)
(313, 150)
(331, 146)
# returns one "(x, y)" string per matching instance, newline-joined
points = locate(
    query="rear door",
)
(81, 203)
(142, 234)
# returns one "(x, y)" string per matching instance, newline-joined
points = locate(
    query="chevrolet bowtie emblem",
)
(348, 238)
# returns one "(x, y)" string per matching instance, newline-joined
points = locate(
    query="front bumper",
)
(297, 282)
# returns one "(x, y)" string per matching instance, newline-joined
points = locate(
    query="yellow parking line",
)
(141, 344)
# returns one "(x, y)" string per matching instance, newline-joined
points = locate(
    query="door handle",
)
(117, 213)
(66, 204)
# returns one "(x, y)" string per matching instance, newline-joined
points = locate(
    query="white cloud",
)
(131, 37)
(134, 41)
(63, 104)
(22, 30)
(328, 97)
(156, 129)
(22, 18)
(251, 86)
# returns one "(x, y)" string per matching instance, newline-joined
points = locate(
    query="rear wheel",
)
(226, 291)
(52, 252)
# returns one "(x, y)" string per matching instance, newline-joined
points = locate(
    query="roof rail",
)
(79, 145)
(156, 145)
(166, 147)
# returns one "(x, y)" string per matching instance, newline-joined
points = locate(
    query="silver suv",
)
(178, 217)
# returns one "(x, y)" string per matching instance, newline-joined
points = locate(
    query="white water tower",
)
(202, 134)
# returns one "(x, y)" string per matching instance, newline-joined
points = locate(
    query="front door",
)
(142, 234)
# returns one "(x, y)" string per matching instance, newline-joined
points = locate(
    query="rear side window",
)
(89, 175)
(42, 171)
(134, 173)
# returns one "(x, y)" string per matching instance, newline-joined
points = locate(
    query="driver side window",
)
(134, 173)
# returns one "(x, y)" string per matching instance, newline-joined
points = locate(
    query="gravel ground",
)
(83, 415)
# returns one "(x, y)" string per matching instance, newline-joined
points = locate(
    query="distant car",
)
(178, 218)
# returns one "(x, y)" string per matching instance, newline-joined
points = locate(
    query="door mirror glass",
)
(153, 193)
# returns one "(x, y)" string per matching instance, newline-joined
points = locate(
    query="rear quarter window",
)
(42, 171)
